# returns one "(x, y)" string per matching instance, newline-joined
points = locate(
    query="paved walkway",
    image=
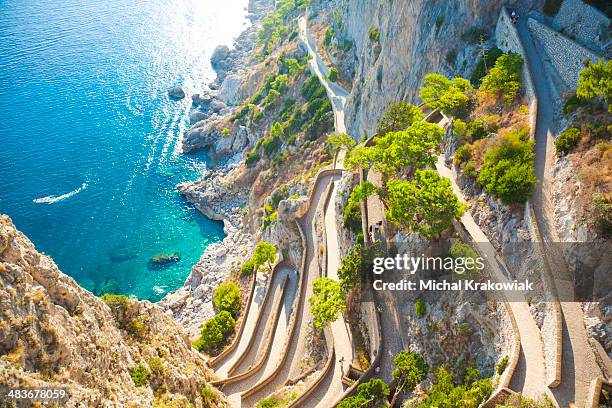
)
(337, 94)
(293, 364)
(277, 313)
(579, 366)
(530, 375)
(223, 366)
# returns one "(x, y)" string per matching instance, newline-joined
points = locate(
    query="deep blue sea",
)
(89, 152)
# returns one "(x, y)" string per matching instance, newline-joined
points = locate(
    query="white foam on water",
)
(54, 199)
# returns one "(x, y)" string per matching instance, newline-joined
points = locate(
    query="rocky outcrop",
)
(176, 92)
(415, 38)
(55, 333)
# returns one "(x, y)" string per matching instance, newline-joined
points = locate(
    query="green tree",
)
(227, 297)
(400, 153)
(277, 131)
(333, 74)
(140, 375)
(264, 254)
(596, 81)
(445, 393)
(372, 394)
(507, 170)
(355, 264)
(398, 116)
(226, 322)
(505, 77)
(211, 336)
(328, 301)
(567, 140)
(339, 140)
(426, 205)
(451, 96)
(410, 370)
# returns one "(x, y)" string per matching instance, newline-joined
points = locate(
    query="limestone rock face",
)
(55, 333)
(415, 37)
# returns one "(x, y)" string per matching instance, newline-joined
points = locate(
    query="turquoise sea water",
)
(89, 152)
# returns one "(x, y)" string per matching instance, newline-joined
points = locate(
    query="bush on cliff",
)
(504, 78)
(227, 297)
(139, 375)
(372, 394)
(451, 96)
(595, 81)
(445, 393)
(327, 302)
(398, 116)
(507, 170)
(567, 140)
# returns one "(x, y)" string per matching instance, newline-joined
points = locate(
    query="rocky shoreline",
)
(214, 195)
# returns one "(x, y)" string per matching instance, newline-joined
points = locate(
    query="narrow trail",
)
(336, 93)
(223, 366)
(579, 366)
(273, 334)
(530, 375)
(293, 365)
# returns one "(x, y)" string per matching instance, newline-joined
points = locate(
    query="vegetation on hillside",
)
(328, 301)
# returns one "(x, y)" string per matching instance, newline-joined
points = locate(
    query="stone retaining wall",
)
(565, 57)
(584, 23)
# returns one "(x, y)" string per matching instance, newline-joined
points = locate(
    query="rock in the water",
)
(176, 92)
(220, 53)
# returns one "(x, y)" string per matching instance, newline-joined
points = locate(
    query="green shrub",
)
(601, 213)
(209, 396)
(227, 297)
(469, 170)
(225, 132)
(372, 394)
(505, 77)
(452, 96)
(328, 301)
(328, 36)
(445, 393)
(571, 104)
(567, 140)
(491, 55)
(420, 308)
(594, 82)
(251, 159)
(463, 251)
(333, 74)
(460, 130)
(463, 154)
(139, 375)
(225, 322)
(507, 169)
(374, 34)
(211, 337)
(247, 268)
(551, 7)
(501, 366)
(117, 303)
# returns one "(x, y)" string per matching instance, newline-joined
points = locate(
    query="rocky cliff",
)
(414, 38)
(55, 333)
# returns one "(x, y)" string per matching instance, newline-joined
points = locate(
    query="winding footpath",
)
(579, 365)
(530, 374)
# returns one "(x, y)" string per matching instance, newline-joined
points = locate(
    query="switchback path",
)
(336, 93)
(221, 368)
(530, 374)
(293, 365)
(579, 366)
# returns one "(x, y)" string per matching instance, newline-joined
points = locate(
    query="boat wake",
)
(54, 199)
